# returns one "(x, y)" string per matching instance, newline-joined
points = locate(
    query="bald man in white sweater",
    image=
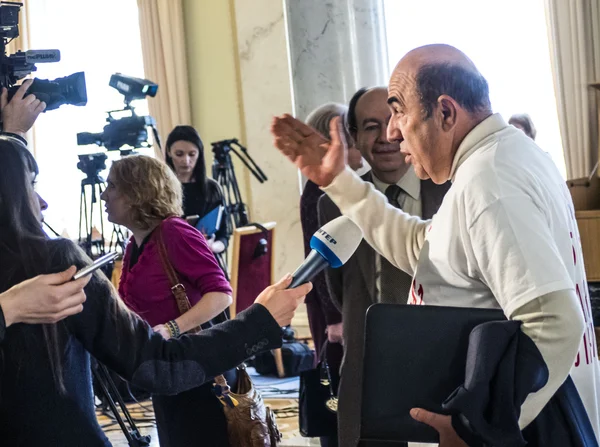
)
(505, 235)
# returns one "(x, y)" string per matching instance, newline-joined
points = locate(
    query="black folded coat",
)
(503, 367)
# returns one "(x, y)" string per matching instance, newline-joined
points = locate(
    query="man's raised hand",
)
(319, 159)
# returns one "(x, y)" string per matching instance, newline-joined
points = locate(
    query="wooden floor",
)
(287, 420)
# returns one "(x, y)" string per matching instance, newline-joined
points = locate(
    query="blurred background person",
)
(143, 195)
(523, 121)
(324, 319)
(201, 194)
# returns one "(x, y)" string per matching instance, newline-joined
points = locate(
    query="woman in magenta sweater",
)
(144, 195)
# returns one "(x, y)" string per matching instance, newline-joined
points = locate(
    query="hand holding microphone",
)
(332, 245)
(281, 301)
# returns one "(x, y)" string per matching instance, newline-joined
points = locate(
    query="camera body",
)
(132, 88)
(66, 90)
(129, 130)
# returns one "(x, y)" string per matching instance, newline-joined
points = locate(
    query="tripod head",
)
(222, 151)
(91, 165)
(224, 173)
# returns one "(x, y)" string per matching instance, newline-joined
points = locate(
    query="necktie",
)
(395, 284)
(395, 195)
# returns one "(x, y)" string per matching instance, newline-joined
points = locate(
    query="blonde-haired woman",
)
(144, 195)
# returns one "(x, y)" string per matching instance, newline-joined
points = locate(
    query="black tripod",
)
(117, 239)
(96, 185)
(224, 174)
(134, 438)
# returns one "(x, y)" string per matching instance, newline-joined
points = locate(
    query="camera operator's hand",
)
(20, 113)
(283, 303)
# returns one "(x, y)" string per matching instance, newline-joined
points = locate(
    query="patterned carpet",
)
(281, 394)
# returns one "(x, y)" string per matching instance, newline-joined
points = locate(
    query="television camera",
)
(128, 130)
(66, 90)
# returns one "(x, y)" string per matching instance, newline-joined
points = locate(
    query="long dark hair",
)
(189, 134)
(18, 220)
(25, 251)
(24, 247)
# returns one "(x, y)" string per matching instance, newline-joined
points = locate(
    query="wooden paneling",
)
(586, 199)
(589, 230)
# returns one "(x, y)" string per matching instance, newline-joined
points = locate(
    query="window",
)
(508, 42)
(99, 38)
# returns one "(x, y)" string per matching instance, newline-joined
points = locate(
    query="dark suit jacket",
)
(352, 288)
(310, 224)
(503, 367)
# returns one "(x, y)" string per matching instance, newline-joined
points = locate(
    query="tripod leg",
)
(221, 179)
(111, 404)
(240, 207)
(102, 240)
(88, 224)
(81, 201)
(121, 238)
(134, 438)
(113, 390)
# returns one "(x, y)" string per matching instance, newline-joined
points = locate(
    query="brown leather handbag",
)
(249, 422)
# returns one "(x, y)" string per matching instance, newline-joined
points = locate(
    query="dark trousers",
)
(192, 418)
(318, 328)
(335, 351)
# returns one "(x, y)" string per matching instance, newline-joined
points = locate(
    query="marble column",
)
(264, 83)
(336, 47)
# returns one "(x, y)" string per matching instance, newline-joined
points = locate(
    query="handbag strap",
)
(222, 389)
(323, 353)
(324, 371)
(177, 288)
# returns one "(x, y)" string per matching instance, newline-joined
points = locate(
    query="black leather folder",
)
(414, 357)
